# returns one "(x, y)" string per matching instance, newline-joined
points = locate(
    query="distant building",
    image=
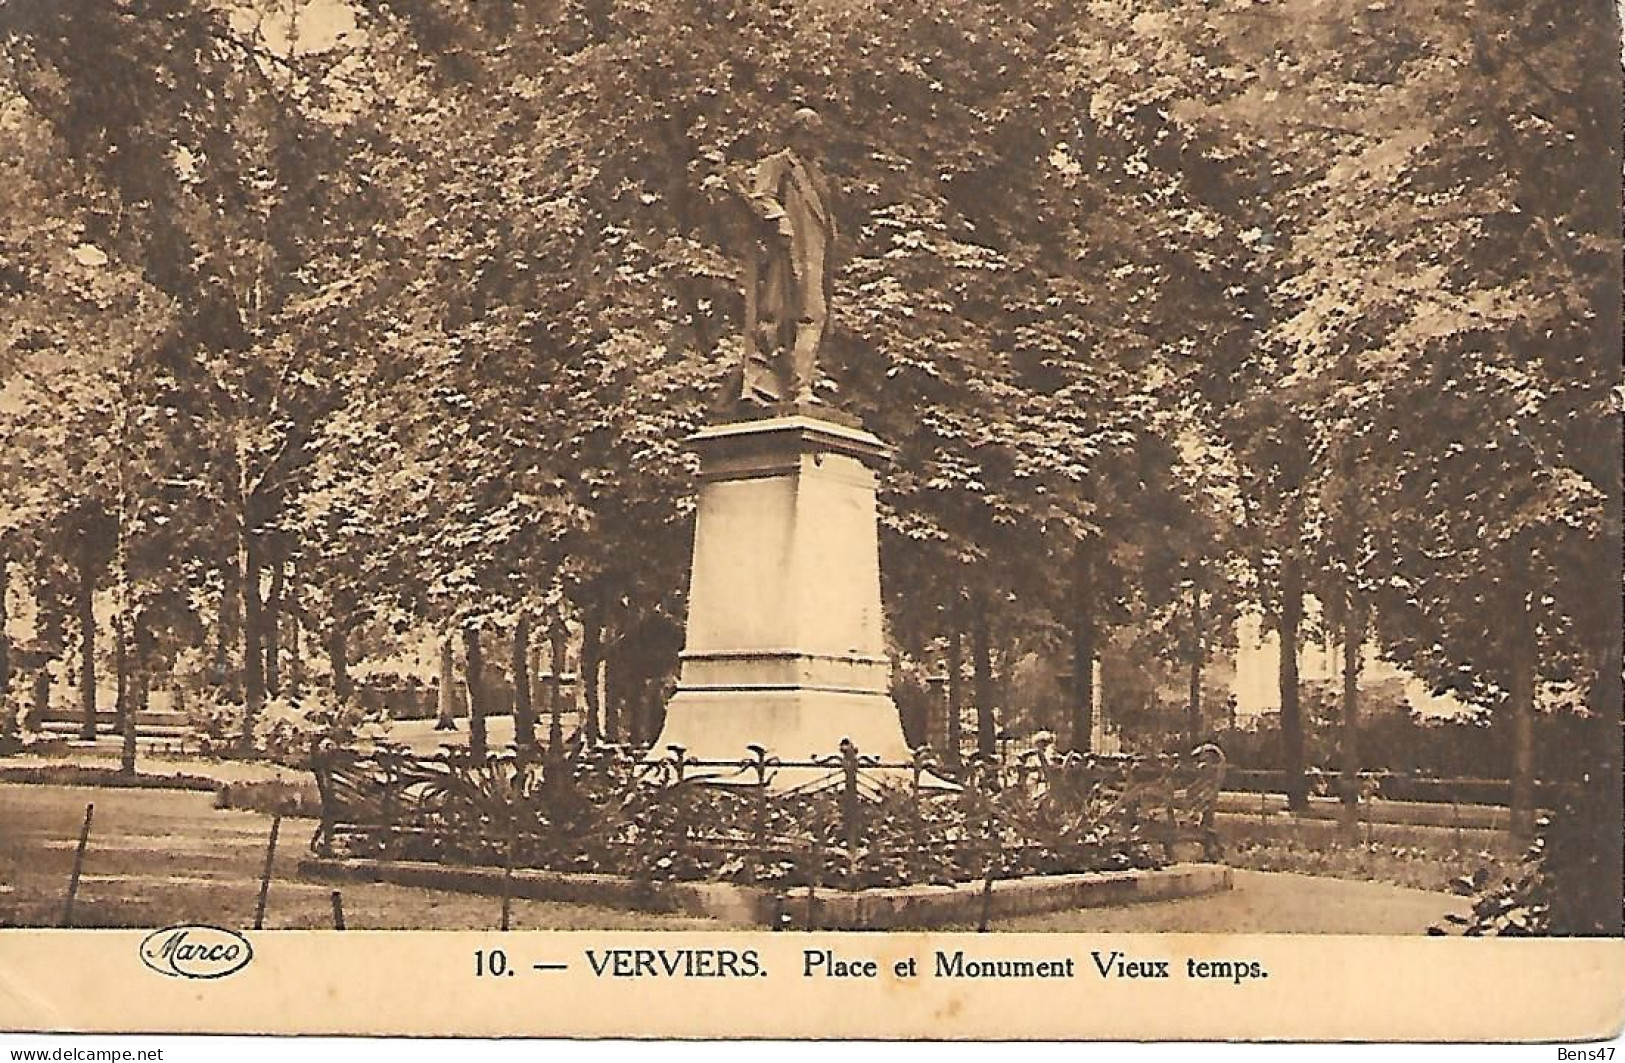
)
(1256, 685)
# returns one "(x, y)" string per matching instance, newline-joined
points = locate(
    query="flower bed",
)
(605, 811)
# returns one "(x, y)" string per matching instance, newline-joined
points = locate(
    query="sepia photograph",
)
(1071, 468)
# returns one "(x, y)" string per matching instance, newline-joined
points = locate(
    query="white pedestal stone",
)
(784, 647)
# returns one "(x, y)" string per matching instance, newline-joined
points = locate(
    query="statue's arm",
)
(762, 195)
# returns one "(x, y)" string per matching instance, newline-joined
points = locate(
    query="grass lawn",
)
(1415, 867)
(159, 858)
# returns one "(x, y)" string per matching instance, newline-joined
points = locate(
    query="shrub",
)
(273, 797)
(1558, 889)
(1569, 879)
(292, 727)
(213, 724)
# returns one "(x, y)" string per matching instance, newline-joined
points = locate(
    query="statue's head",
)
(805, 135)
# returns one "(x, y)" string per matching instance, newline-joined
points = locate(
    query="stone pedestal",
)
(784, 647)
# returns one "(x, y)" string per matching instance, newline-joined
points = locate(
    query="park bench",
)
(373, 796)
(1169, 798)
(362, 793)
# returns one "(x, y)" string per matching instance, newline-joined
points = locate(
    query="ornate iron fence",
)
(845, 820)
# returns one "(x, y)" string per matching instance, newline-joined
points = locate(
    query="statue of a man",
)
(787, 279)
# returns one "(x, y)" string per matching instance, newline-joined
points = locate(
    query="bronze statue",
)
(787, 274)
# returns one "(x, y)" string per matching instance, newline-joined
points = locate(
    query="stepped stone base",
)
(784, 648)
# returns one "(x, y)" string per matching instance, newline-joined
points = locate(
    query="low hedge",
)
(1390, 786)
(81, 775)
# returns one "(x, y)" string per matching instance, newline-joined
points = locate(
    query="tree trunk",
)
(42, 698)
(626, 689)
(474, 680)
(650, 712)
(143, 699)
(1353, 639)
(1193, 704)
(538, 686)
(591, 643)
(558, 641)
(956, 688)
(123, 711)
(982, 662)
(1083, 645)
(614, 692)
(524, 716)
(1521, 704)
(227, 624)
(253, 642)
(296, 650)
(8, 718)
(273, 629)
(1594, 774)
(445, 701)
(84, 607)
(635, 688)
(131, 702)
(48, 610)
(1292, 758)
(637, 701)
(338, 660)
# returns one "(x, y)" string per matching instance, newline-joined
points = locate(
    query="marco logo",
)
(196, 951)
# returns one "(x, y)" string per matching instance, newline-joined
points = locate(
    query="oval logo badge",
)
(196, 951)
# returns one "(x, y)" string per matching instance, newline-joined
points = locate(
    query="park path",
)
(1266, 902)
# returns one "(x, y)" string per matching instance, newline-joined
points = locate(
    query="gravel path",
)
(1265, 902)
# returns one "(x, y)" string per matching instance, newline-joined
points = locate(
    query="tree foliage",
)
(1234, 302)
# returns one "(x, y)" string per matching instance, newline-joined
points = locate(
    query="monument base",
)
(783, 647)
(789, 725)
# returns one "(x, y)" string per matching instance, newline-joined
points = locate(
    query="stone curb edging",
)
(924, 907)
(902, 907)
